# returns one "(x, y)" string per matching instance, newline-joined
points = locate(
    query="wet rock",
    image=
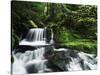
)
(22, 48)
(58, 61)
(31, 68)
(48, 52)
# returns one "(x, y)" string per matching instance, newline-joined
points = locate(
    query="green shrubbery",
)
(74, 41)
(88, 47)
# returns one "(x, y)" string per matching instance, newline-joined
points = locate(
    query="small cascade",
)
(52, 37)
(39, 53)
(79, 60)
(35, 37)
(74, 65)
(18, 66)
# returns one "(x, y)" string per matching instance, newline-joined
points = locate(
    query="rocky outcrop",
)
(66, 60)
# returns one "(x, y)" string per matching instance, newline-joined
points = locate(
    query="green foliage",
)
(74, 26)
(86, 21)
(64, 35)
(85, 46)
(87, 11)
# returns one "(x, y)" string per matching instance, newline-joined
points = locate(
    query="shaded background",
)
(74, 26)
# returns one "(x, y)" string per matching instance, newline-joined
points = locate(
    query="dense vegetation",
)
(74, 26)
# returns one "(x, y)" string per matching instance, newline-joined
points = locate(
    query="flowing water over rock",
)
(41, 59)
(35, 37)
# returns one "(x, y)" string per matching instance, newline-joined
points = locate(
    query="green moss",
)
(85, 46)
(68, 39)
(65, 36)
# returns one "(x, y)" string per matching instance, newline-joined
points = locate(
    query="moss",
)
(64, 35)
(69, 39)
(85, 46)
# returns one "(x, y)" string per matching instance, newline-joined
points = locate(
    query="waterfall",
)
(35, 37)
(23, 61)
(33, 61)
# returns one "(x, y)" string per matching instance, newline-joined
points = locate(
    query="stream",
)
(41, 59)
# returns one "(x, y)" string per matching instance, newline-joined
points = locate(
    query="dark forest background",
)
(74, 26)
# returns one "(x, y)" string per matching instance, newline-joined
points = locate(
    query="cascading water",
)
(52, 37)
(22, 61)
(78, 60)
(35, 37)
(33, 61)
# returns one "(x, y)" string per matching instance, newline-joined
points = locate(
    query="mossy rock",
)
(88, 47)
